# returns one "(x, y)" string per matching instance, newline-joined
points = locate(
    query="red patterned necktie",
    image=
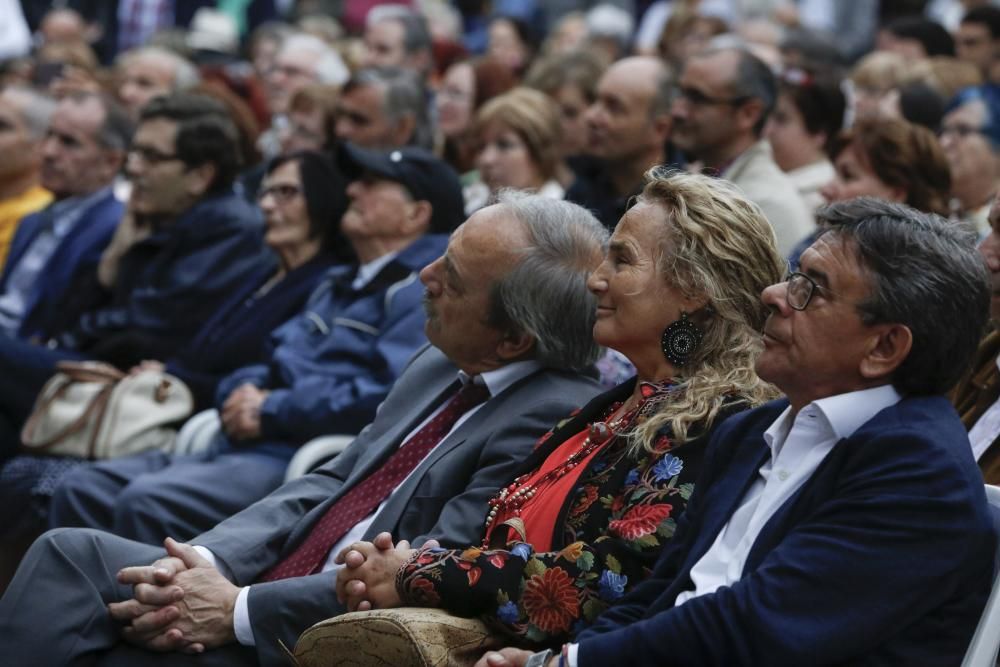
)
(361, 501)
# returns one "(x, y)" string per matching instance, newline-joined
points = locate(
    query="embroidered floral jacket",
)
(607, 538)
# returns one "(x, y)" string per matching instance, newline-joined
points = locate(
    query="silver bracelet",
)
(539, 659)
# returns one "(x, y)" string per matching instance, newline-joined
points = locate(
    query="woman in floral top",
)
(678, 295)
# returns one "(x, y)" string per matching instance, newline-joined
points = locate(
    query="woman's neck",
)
(292, 258)
(662, 372)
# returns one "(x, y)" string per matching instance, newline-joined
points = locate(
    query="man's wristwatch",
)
(539, 659)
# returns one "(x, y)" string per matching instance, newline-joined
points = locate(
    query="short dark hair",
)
(988, 16)
(819, 99)
(324, 188)
(205, 134)
(931, 35)
(924, 273)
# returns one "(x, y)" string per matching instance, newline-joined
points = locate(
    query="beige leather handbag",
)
(90, 409)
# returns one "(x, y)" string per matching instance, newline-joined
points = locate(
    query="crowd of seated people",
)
(663, 332)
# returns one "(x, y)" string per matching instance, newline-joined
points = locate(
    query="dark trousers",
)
(55, 610)
(151, 496)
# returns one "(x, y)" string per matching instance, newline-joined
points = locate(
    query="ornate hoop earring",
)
(680, 340)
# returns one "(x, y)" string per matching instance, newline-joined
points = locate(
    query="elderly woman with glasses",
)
(678, 293)
(970, 137)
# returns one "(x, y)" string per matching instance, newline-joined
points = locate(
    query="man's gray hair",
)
(753, 80)
(546, 294)
(330, 67)
(416, 35)
(924, 272)
(185, 73)
(33, 106)
(403, 94)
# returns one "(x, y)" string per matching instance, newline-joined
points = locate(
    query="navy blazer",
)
(79, 251)
(883, 556)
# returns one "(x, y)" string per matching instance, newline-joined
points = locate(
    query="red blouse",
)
(540, 512)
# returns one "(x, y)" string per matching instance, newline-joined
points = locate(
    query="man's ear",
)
(663, 125)
(419, 220)
(403, 129)
(200, 179)
(889, 348)
(111, 162)
(748, 114)
(515, 346)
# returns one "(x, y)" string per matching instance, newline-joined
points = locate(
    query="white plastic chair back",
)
(986, 641)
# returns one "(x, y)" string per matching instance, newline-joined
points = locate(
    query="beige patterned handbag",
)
(402, 637)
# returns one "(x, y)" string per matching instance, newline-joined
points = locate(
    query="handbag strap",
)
(90, 371)
(97, 407)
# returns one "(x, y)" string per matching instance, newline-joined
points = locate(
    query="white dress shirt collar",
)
(844, 413)
(499, 379)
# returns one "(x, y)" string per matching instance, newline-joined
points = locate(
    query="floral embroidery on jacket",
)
(613, 528)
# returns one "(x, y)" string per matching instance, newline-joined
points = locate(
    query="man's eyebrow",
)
(449, 268)
(821, 278)
(619, 246)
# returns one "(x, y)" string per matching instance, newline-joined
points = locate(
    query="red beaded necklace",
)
(510, 499)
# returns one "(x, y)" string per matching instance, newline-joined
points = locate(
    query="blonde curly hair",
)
(718, 246)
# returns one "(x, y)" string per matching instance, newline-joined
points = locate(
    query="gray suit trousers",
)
(73, 571)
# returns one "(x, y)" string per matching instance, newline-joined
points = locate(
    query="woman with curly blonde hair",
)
(678, 293)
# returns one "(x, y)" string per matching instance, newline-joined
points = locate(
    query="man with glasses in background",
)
(970, 138)
(725, 98)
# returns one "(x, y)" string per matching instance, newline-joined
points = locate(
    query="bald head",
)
(63, 25)
(630, 120)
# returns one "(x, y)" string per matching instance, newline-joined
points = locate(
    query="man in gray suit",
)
(509, 319)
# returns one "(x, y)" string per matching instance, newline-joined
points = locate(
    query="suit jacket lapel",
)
(724, 498)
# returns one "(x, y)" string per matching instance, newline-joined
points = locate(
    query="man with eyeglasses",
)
(846, 523)
(725, 98)
(187, 241)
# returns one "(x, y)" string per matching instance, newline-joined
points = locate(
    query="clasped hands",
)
(181, 603)
(368, 578)
(241, 412)
(368, 581)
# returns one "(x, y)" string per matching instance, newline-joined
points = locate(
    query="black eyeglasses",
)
(698, 98)
(960, 131)
(150, 155)
(800, 290)
(282, 192)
